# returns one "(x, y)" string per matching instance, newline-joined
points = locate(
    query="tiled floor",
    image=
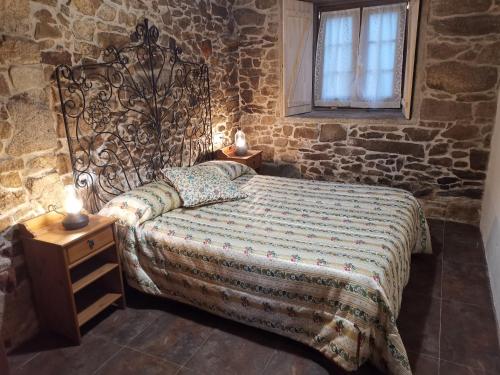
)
(446, 322)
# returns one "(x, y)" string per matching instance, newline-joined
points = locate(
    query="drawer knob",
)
(91, 243)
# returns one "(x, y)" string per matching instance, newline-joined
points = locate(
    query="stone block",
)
(332, 133)
(265, 4)
(287, 130)
(445, 8)
(479, 159)
(246, 16)
(11, 164)
(46, 190)
(461, 132)
(5, 129)
(25, 77)
(219, 11)
(318, 156)
(14, 16)
(444, 110)
(444, 51)
(468, 174)
(486, 110)
(11, 199)
(34, 126)
(45, 30)
(420, 134)
(106, 39)
(308, 133)
(438, 149)
(88, 7)
(456, 77)
(490, 54)
(470, 25)
(391, 147)
(19, 51)
(56, 57)
(4, 86)
(10, 180)
(106, 12)
(84, 29)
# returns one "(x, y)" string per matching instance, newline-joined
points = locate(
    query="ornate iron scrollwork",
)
(140, 110)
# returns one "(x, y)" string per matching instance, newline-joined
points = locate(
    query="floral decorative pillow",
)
(231, 169)
(198, 186)
(142, 203)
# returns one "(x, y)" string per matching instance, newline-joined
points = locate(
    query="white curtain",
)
(380, 62)
(336, 55)
(360, 65)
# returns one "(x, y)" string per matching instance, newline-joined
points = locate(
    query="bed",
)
(321, 263)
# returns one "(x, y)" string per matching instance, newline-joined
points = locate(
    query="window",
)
(364, 55)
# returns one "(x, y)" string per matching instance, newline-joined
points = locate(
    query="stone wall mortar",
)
(37, 35)
(440, 154)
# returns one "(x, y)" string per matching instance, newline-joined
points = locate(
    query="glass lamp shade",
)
(240, 142)
(73, 205)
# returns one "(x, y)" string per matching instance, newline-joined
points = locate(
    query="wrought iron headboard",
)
(141, 109)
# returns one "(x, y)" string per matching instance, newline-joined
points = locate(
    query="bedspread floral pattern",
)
(322, 263)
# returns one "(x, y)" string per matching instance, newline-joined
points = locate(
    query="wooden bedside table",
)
(253, 158)
(76, 274)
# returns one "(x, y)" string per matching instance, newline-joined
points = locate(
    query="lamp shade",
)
(240, 142)
(73, 206)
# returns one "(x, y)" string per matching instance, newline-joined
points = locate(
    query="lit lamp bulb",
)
(74, 218)
(241, 143)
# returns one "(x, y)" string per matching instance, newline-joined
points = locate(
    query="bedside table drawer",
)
(90, 244)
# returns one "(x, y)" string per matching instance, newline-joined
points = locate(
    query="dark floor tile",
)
(74, 360)
(130, 362)
(422, 364)
(172, 337)
(419, 322)
(122, 325)
(283, 363)
(228, 351)
(425, 275)
(462, 243)
(436, 229)
(42, 342)
(469, 336)
(466, 283)
(449, 368)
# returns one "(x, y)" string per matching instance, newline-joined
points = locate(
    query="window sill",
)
(393, 115)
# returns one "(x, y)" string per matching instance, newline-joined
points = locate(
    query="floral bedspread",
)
(322, 263)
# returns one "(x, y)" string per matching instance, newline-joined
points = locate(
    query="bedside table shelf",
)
(76, 274)
(98, 306)
(93, 276)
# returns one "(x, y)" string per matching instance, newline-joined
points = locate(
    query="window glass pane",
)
(336, 54)
(380, 61)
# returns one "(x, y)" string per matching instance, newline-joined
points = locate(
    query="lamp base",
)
(241, 150)
(75, 221)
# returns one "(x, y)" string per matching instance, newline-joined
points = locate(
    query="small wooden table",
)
(76, 274)
(253, 158)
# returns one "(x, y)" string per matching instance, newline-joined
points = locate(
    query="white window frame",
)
(291, 107)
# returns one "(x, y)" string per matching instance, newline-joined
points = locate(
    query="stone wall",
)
(440, 154)
(35, 36)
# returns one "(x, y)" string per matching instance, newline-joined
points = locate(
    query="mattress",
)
(322, 263)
